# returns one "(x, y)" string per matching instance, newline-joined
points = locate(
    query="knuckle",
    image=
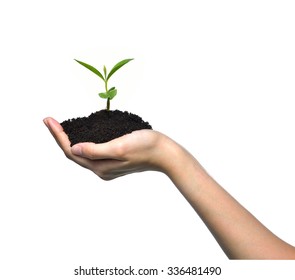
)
(121, 150)
(105, 170)
(90, 152)
(68, 155)
(106, 178)
(104, 175)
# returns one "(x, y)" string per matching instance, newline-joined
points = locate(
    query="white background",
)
(216, 76)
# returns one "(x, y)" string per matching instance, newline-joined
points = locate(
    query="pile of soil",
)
(102, 126)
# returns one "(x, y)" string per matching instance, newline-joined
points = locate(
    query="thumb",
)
(93, 151)
(77, 150)
(85, 150)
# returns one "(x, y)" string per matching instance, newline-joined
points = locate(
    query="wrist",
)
(182, 168)
(173, 158)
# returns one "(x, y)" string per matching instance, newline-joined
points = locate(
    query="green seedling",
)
(109, 94)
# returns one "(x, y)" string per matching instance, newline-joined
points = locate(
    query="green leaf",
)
(103, 95)
(112, 93)
(118, 66)
(91, 68)
(105, 71)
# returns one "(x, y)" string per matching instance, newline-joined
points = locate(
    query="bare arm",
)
(238, 232)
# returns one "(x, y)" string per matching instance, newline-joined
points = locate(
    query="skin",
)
(237, 231)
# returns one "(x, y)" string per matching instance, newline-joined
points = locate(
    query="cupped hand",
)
(138, 151)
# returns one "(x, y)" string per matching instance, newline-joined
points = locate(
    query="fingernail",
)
(77, 150)
(45, 121)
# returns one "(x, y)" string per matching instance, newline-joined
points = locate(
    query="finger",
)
(59, 135)
(63, 141)
(109, 150)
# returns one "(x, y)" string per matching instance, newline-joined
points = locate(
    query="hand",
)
(135, 152)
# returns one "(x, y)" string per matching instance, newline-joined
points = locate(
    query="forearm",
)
(238, 232)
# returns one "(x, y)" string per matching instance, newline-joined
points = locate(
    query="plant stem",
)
(108, 101)
(108, 104)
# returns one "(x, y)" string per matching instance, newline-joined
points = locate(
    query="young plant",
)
(109, 94)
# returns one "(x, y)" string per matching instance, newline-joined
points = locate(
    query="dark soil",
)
(102, 126)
